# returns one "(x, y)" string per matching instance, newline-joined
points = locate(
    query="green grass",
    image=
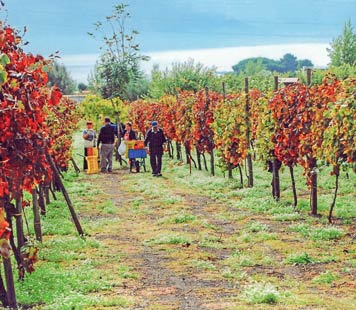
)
(201, 226)
(202, 264)
(326, 277)
(168, 239)
(68, 274)
(53, 284)
(261, 293)
(318, 233)
(256, 227)
(300, 259)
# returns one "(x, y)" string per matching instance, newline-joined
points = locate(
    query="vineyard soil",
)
(196, 242)
(191, 248)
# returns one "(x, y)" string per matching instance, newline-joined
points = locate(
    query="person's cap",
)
(154, 123)
(89, 123)
(107, 119)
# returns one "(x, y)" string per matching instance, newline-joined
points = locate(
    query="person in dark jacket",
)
(107, 139)
(128, 135)
(154, 140)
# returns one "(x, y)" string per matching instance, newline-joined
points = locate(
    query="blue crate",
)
(140, 153)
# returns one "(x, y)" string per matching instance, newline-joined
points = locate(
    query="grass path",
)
(195, 242)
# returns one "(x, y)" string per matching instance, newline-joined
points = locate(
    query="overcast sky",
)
(219, 32)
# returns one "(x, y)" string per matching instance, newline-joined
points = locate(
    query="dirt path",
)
(189, 251)
(165, 280)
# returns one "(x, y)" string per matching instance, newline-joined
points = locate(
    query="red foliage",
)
(203, 117)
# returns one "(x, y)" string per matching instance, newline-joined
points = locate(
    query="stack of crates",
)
(92, 160)
(129, 146)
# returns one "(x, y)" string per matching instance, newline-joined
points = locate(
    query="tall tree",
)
(304, 63)
(289, 63)
(186, 75)
(343, 48)
(118, 67)
(59, 76)
(254, 65)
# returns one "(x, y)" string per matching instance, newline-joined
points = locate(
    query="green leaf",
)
(3, 77)
(46, 68)
(4, 59)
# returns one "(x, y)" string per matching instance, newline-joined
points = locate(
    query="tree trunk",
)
(229, 170)
(191, 159)
(170, 149)
(3, 293)
(212, 168)
(11, 294)
(36, 216)
(293, 185)
(41, 201)
(337, 173)
(190, 164)
(76, 168)
(314, 189)
(52, 191)
(178, 148)
(46, 194)
(187, 154)
(205, 164)
(19, 224)
(276, 184)
(241, 176)
(66, 196)
(198, 159)
(14, 248)
(248, 138)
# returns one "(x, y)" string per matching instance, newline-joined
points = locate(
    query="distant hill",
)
(288, 63)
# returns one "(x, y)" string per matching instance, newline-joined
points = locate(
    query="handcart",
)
(137, 155)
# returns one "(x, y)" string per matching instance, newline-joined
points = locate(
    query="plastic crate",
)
(92, 151)
(139, 145)
(92, 162)
(141, 153)
(129, 145)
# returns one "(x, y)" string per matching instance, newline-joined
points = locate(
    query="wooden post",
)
(198, 159)
(187, 154)
(65, 194)
(19, 224)
(3, 293)
(212, 163)
(275, 163)
(314, 188)
(229, 170)
(41, 201)
(75, 166)
(36, 216)
(207, 102)
(11, 294)
(170, 149)
(248, 139)
(309, 74)
(178, 148)
(224, 90)
(229, 166)
(312, 169)
(46, 194)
